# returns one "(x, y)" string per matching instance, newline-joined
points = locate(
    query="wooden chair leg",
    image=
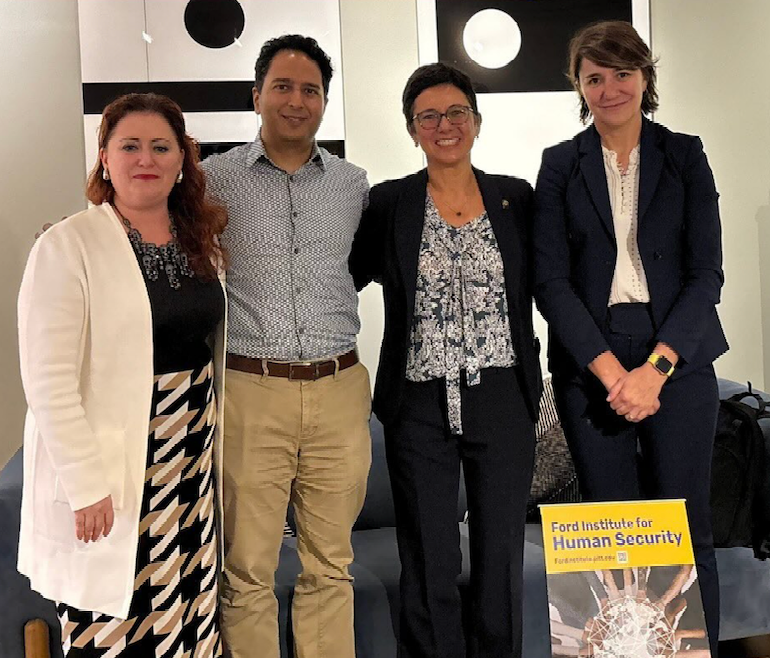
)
(36, 640)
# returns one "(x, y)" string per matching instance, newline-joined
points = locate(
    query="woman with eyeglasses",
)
(459, 378)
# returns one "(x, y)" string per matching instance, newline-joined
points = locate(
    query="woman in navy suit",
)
(628, 272)
(459, 380)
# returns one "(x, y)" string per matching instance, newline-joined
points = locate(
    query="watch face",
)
(664, 365)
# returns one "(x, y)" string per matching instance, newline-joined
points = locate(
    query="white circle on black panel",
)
(214, 23)
(492, 38)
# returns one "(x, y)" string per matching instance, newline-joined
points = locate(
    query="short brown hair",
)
(198, 221)
(616, 45)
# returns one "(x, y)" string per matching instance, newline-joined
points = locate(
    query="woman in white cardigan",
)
(121, 313)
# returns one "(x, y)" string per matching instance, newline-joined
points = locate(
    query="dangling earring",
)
(416, 143)
(180, 177)
(105, 174)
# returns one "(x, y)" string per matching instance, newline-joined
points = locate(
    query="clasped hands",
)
(633, 394)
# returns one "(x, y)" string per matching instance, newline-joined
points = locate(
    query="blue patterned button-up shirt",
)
(291, 296)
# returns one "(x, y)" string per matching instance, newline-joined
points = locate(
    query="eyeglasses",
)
(457, 115)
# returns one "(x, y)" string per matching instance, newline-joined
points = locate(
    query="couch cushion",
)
(18, 602)
(554, 479)
(378, 511)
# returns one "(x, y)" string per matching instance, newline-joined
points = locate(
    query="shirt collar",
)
(257, 152)
(611, 157)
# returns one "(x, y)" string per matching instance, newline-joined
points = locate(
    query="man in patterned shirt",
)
(297, 400)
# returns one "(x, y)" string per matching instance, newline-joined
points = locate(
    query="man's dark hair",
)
(305, 45)
(433, 75)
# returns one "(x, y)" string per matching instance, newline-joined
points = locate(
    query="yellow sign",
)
(587, 536)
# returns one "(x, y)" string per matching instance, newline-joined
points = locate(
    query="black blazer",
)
(386, 249)
(679, 241)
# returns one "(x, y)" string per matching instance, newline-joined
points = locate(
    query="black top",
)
(387, 249)
(183, 321)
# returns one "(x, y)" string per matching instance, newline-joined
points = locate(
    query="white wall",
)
(379, 53)
(714, 82)
(41, 139)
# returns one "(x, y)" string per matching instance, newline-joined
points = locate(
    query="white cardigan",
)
(86, 354)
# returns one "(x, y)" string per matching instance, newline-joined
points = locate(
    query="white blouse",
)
(629, 283)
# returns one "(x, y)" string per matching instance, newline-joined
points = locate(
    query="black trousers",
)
(496, 451)
(676, 442)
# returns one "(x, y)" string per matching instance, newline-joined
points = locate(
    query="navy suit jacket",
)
(679, 237)
(387, 247)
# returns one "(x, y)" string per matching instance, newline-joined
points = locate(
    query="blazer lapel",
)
(408, 224)
(651, 166)
(500, 212)
(592, 168)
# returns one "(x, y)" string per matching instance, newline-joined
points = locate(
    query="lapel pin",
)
(505, 203)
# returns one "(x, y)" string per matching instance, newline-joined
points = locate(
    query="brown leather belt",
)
(302, 370)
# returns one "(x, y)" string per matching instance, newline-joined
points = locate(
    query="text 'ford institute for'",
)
(621, 538)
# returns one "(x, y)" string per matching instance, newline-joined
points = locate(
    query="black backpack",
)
(740, 486)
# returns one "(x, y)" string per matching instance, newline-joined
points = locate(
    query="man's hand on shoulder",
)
(45, 227)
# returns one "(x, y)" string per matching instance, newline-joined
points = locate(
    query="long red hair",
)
(199, 221)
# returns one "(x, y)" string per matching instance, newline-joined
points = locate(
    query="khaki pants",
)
(304, 442)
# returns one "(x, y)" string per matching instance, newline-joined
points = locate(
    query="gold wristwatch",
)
(661, 364)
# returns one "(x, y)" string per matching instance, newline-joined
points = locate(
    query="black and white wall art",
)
(515, 51)
(517, 45)
(201, 53)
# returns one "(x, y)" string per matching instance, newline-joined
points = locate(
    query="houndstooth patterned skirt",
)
(174, 611)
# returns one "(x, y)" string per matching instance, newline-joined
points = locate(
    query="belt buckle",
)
(302, 364)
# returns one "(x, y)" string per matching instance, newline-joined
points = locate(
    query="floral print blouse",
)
(460, 308)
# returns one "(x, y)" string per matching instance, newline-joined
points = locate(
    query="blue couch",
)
(744, 581)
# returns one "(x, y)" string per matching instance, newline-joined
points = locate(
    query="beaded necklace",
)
(168, 257)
